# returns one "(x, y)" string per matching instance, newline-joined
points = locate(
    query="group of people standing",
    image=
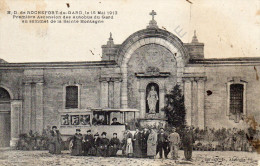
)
(148, 143)
(94, 145)
(141, 144)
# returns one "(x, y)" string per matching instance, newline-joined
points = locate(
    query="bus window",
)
(100, 118)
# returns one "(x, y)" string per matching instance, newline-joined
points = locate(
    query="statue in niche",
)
(152, 99)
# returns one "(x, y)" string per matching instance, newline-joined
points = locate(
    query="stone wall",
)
(54, 90)
(41, 91)
(217, 79)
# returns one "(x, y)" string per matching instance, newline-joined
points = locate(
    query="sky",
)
(227, 28)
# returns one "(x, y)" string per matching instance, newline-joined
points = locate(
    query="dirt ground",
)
(207, 158)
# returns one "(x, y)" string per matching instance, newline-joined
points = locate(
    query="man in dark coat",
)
(88, 142)
(55, 141)
(188, 140)
(137, 144)
(143, 144)
(96, 142)
(103, 145)
(146, 135)
(114, 145)
(77, 144)
(162, 143)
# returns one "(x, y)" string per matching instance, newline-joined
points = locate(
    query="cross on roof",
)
(153, 13)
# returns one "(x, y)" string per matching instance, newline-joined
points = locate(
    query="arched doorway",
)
(5, 118)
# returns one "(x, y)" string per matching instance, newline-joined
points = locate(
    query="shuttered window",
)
(236, 98)
(72, 97)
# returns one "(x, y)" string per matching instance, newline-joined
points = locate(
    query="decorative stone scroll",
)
(152, 72)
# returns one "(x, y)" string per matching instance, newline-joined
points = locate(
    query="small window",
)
(71, 97)
(236, 101)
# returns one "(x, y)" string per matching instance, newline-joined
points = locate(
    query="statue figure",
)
(152, 99)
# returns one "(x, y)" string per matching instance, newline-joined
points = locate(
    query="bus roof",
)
(115, 109)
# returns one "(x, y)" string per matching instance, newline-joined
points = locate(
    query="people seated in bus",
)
(88, 143)
(103, 145)
(95, 145)
(101, 120)
(98, 120)
(115, 122)
(114, 145)
(77, 144)
(95, 119)
(84, 120)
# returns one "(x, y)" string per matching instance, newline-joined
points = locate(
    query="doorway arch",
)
(5, 117)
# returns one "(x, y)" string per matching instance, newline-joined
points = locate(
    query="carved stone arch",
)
(178, 55)
(150, 34)
(147, 82)
(172, 43)
(8, 90)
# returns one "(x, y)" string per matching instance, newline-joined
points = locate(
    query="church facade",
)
(132, 77)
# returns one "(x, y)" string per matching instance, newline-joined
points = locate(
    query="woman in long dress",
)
(77, 144)
(55, 141)
(129, 144)
(151, 144)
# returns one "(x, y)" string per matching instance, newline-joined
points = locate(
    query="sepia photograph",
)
(129, 83)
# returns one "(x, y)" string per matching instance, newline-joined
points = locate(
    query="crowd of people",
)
(143, 143)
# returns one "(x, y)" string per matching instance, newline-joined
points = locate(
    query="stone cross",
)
(153, 13)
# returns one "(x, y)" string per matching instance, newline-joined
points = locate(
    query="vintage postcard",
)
(128, 82)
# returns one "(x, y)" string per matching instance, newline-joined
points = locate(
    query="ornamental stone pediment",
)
(152, 72)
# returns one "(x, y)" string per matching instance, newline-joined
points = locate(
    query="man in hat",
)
(115, 122)
(137, 142)
(96, 142)
(55, 141)
(103, 145)
(114, 145)
(77, 144)
(146, 135)
(188, 140)
(88, 142)
(174, 139)
(162, 141)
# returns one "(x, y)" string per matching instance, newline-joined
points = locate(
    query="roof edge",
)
(58, 64)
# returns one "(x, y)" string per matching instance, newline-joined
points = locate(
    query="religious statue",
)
(152, 99)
